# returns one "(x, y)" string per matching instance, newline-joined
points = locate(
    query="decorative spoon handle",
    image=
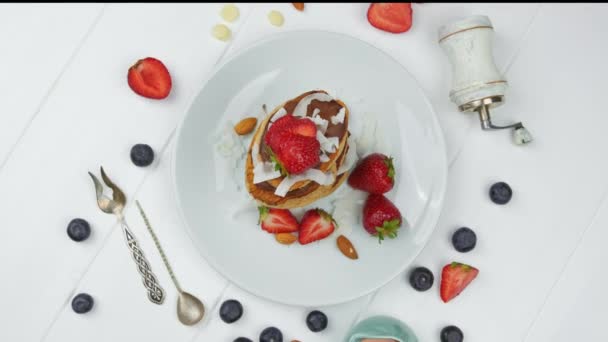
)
(155, 292)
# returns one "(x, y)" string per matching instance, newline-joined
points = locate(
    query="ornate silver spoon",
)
(190, 310)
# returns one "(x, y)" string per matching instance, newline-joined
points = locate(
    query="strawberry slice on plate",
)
(316, 224)
(150, 78)
(277, 221)
(394, 17)
(455, 277)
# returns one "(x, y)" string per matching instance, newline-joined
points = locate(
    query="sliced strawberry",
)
(394, 17)
(455, 277)
(277, 221)
(297, 153)
(316, 224)
(286, 125)
(150, 78)
(272, 138)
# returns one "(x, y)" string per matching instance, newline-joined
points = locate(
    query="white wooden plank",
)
(36, 44)
(558, 182)
(122, 311)
(417, 50)
(578, 305)
(92, 118)
(259, 314)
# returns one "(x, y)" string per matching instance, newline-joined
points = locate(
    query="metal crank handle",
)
(156, 294)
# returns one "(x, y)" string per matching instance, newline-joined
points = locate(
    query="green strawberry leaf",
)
(389, 228)
(391, 168)
(277, 164)
(263, 213)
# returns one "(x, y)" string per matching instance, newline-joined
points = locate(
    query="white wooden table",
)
(65, 108)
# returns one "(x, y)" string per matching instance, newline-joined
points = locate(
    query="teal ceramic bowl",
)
(381, 327)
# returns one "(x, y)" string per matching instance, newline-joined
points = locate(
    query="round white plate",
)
(221, 218)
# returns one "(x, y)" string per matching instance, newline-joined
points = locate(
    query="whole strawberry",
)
(381, 217)
(374, 174)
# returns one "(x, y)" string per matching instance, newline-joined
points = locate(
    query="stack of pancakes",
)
(313, 104)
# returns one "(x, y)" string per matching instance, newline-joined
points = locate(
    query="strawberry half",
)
(455, 277)
(303, 127)
(277, 221)
(316, 224)
(297, 153)
(374, 174)
(150, 78)
(381, 217)
(271, 138)
(394, 17)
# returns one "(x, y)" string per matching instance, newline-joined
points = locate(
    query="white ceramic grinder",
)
(477, 85)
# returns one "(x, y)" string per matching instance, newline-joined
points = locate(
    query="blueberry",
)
(242, 339)
(231, 310)
(142, 155)
(464, 239)
(421, 278)
(82, 303)
(79, 229)
(271, 334)
(451, 334)
(500, 193)
(316, 321)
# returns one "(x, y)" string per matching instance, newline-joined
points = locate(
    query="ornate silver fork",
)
(115, 206)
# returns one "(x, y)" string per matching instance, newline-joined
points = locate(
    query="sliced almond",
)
(298, 5)
(346, 247)
(286, 238)
(245, 126)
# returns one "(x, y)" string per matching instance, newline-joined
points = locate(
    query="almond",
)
(346, 247)
(245, 126)
(298, 5)
(286, 238)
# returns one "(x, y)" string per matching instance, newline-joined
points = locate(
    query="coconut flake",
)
(324, 158)
(302, 106)
(328, 144)
(339, 118)
(315, 112)
(351, 156)
(312, 174)
(320, 123)
(262, 171)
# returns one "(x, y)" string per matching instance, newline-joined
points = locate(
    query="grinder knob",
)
(477, 84)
